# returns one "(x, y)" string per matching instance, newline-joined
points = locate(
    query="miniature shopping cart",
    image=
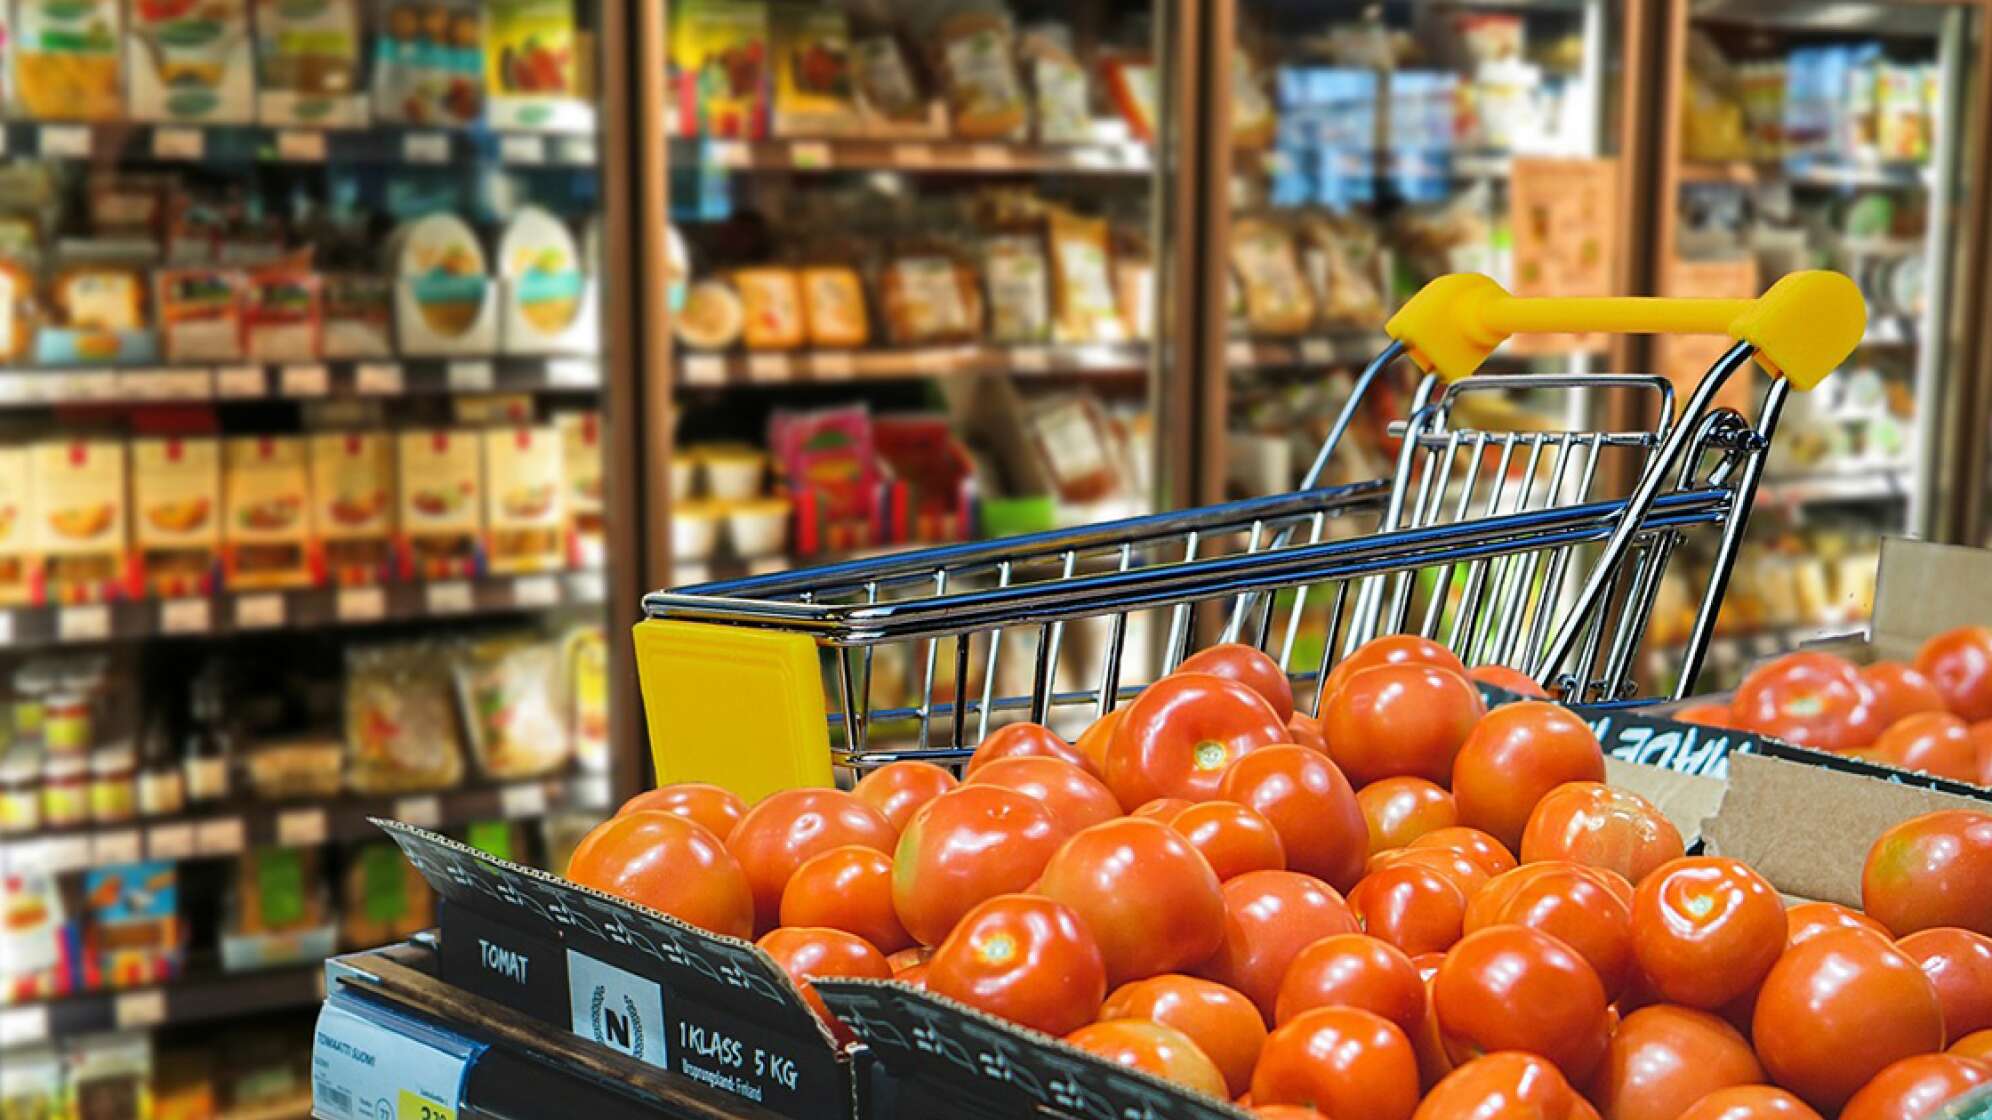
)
(1538, 546)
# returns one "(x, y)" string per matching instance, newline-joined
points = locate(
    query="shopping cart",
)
(1500, 540)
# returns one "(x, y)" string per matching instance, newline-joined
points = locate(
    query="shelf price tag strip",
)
(368, 1063)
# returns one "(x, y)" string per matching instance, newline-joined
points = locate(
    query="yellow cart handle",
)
(1803, 327)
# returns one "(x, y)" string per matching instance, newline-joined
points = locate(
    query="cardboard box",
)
(80, 517)
(266, 490)
(524, 507)
(352, 506)
(16, 525)
(176, 513)
(442, 512)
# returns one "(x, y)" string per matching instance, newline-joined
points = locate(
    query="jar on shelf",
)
(113, 784)
(65, 791)
(32, 682)
(66, 721)
(20, 793)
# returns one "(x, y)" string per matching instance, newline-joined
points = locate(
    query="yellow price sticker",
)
(413, 1106)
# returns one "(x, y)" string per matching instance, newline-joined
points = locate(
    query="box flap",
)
(1686, 799)
(1923, 589)
(1654, 740)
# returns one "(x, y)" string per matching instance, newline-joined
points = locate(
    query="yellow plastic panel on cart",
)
(735, 707)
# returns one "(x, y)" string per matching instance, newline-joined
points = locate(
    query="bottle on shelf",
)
(162, 787)
(210, 748)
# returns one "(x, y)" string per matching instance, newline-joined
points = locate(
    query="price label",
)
(528, 800)
(834, 365)
(1316, 351)
(579, 150)
(1239, 352)
(108, 848)
(591, 791)
(90, 385)
(989, 156)
(262, 611)
(222, 836)
(470, 377)
(138, 1010)
(361, 604)
(414, 1106)
(165, 384)
(536, 591)
(90, 623)
(705, 369)
(768, 367)
(305, 381)
(301, 828)
(185, 616)
(369, 1068)
(426, 147)
(65, 141)
(1030, 359)
(239, 381)
(66, 853)
(586, 587)
(574, 373)
(522, 148)
(912, 155)
(178, 143)
(422, 812)
(727, 153)
(449, 597)
(170, 841)
(809, 155)
(301, 145)
(378, 379)
(22, 1026)
(6, 629)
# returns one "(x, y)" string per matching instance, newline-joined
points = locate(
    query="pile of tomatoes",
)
(1934, 716)
(1328, 919)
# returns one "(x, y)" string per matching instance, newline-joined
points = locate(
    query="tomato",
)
(1163, 809)
(1092, 742)
(1601, 826)
(1914, 1088)
(1306, 730)
(1959, 663)
(1343, 1061)
(1934, 742)
(669, 864)
(1510, 1085)
(1391, 649)
(1749, 1102)
(1814, 699)
(1310, 804)
(1412, 906)
(1981, 741)
(1248, 666)
(1399, 810)
(1959, 963)
(898, 789)
(1508, 680)
(1458, 867)
(1400, 719)
(1151, 902)
(1704, 715)
(1663, 1059)
(1977, 1044)
(966, 846)
(1269, 917)
(1022, 958)
(1490, 854)
(1181, 734)
(788, 827)
(1810, 919)
(913, 975)
(1706, 930)
(1220, 1020)
(1433, 1060)
(1151, 1048)
(912, 957)
(1076, 798)
(1021, 740)
(1837, 1009)
(1571, 903)
(808, 953)
(1515, 988)
(1900, 691)
(847, 888)
(1354, 970)
(1513, 757)
(1233, 839)
(1930, 871)
(715, 807)
(1286, 1112)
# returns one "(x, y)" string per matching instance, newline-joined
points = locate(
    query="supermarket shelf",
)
(1768, 641)
(245, 612)
(402, 377)
(1883, 484)
(1801, 172)
(784, 367)
(939, 157)
(248, 143)
(195, 999)
(1307, 350)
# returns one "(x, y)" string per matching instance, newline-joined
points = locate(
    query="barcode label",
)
(328, 1099)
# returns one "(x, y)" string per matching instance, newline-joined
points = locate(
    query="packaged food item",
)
(443, 269)
(538, 259)
(1077, 448)
(17, 310)
(79, 504)
(66, 60)
(1277, 298)
(382, 898)
(814, 94)
(930, 296)
(1252, 117)
(1081, 279)
(833, 300)
(113, 784)
(176, 501)
(20, 793)
(110, 1076)
(1134, 291)
(587, 650)
(827, 457)
(183, 1086)
(772, 302)
(31, 1082)
(1013, 266)
(283, 316)
(515, 706)
(293, 769)
(887, 93)
(719, 53)
(975, 54)
(713, 316)
(358, 307)
(101, 298)
(428, 62)
(32, 922)
(124, 205)
(277, 891)
(1132, 86)
(17, 534)
(441, 503)
(581, 468)
(308, 63)
(266, 491)
(200, 314)
(1058, 85)
(524, 512)
(190, 62)
(352, 503)
(132, 920)
(1340, 258)
(401, 731)
(531, 50)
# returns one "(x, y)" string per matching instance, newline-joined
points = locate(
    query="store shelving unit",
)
(193, 1000)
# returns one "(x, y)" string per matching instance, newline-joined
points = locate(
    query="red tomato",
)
(1976, 1045)
(1092, 742)
(1513, 757)
(1400, 719)
(807, 953)
(1749, 1102)
(1412, 906)
(1510, 680)
(1232, 838)
(1515, 988)
(913, 957)
(1151, 1048)
(1490, 854)
(1075, 797)
(1571, 903)
(1914, 1088)
(1222, 1022)
(1269, 917)
(963, 847)
(670, 864)
(1310, 804)
(1022, 740)
(1810, 919)
(1151, 902)
(1391, 649)
(1399, 810)
(1343, 1061)
(715, 807)
(1959, 663)
(1460, 868)
(1248, 666)
(1025, 959)
(1934, 742)
(1814, 699)
(1601, 826)
(1510, 1085)
(1434, 1062)
(1959, 963)
(850, 889)
(1705, 715)
(1838, 1009)
(1706, 930)
(1306, 730)
(1163, 809)
(1900, 691)
(1663, 1059)
(1354, 970)
(913, 976)
(1930, 871)
(1981, 741)
(898, 789)
(1181, 734)
(1283, 1112)
(786, 828)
